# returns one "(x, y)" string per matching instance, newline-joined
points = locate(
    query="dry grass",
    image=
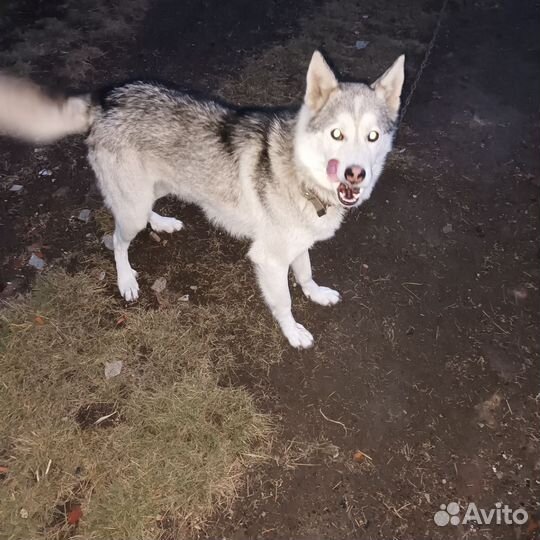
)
(70, 40)
(174, 443)
(277, 75)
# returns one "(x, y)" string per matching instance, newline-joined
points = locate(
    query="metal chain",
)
(424, 62)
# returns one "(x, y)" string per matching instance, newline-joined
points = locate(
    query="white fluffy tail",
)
(28, 113)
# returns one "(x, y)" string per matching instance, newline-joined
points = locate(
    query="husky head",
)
(345, 130)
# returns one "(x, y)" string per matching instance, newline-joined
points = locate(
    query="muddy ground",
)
(429, 366)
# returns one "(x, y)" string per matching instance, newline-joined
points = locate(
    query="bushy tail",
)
(28, 113)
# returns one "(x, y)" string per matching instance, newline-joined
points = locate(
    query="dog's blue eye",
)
(337, 134)
(373, 136)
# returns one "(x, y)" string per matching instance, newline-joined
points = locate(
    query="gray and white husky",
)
(284, 180)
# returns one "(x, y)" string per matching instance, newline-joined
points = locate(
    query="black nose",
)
(355, 174)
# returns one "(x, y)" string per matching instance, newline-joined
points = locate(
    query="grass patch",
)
(68, 38)
(150, 452)
(277, 75)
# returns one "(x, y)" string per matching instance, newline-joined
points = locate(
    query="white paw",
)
(165, 224)
(322, 295)
(128, 286)
(298, 336)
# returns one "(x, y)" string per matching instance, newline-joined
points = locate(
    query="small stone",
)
(447, 228)
(101, 275)
(155, 237)
(37, 262)
(45, 172)
(113, 369)
(159, 285)
(519, 293)
(361, 44)
(193, 287)
(24, 513)
(16, 188)
(84, 215)
(107, 241)
(184, 298)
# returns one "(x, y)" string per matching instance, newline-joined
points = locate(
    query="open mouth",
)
(347, 195)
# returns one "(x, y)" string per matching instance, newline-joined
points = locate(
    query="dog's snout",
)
(355, 174)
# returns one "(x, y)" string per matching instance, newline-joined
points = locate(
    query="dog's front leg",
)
(272, 275)
(302, 272)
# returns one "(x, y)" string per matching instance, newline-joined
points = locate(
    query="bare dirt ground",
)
(429, 367)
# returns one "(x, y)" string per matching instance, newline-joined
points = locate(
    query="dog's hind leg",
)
(128, 223)
(164, 224)
(124, 184)
(126, 276)
(302, 272)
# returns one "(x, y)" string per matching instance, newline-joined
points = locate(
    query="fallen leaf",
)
(159, 285)
(121, 320)
(108, 241)
(360, 457)
(113, 369)
(74, 515)
(39, 320)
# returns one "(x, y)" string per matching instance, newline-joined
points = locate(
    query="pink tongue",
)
(331, 170)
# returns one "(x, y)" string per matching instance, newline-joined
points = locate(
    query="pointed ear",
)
(388, 86)
(321, 82)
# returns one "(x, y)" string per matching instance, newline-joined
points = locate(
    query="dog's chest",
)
(322, 227)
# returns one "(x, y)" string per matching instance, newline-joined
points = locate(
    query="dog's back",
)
(201, 151)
